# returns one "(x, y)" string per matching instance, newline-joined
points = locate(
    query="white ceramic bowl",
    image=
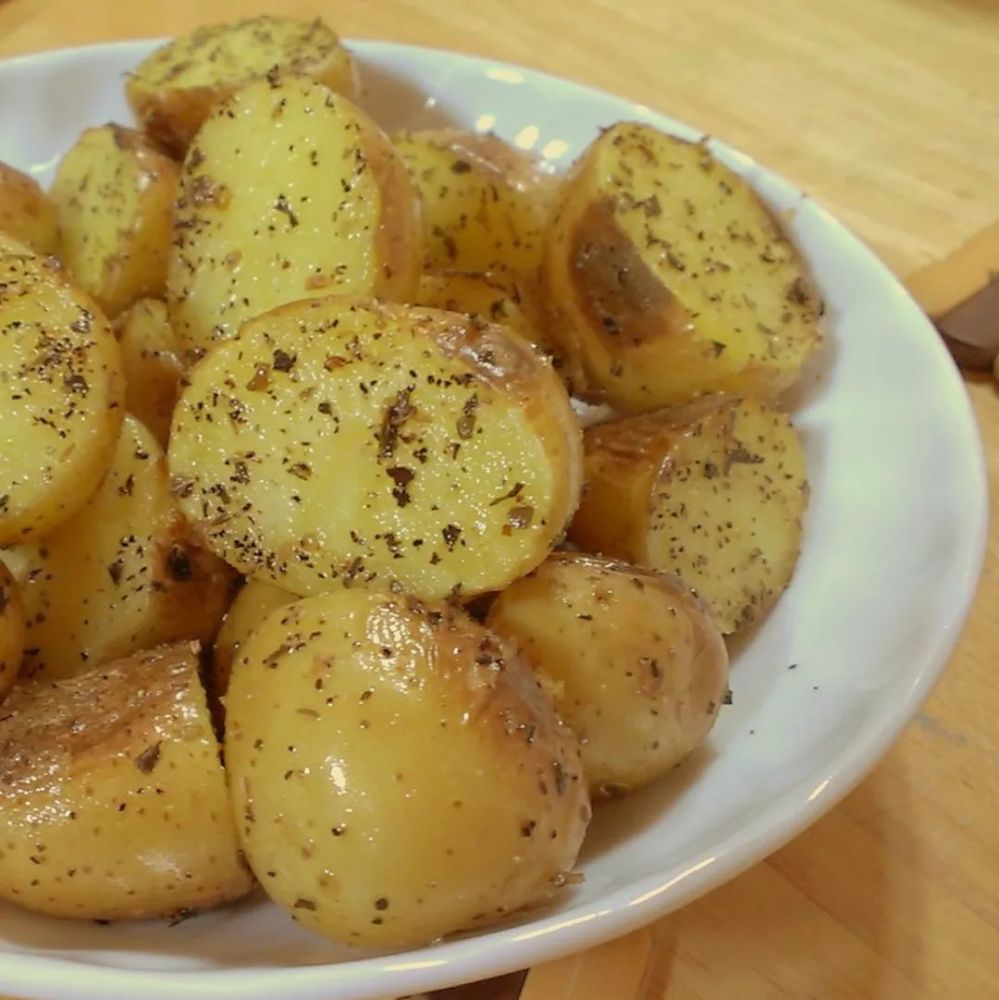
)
(893, 544)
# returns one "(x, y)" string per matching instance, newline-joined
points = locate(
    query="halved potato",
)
(123, 574)
(175, 89)
(11, 630)
(713, 492)
(26, 213)
(114, 196)
(113, 801)
(635, 664)
(151, 357)
(61, 391)
(666, 277)
(397, 771)
(289, 192)
(335, 441)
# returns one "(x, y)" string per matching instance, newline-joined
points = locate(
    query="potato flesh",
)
(114, 196)
(26, 213)
(123, 574)
(668, 278)
(61, 391)
(637, 668)
(289, 192)
(11, 630)
(714, 493)
(113, 801)
(396, 771)
(335, 442)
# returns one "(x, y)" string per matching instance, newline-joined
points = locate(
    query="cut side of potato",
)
(61, 391)
(113, 801)
(123, 574)
(667, 278)
(713, 492)
(175, 89)
(634, 663)
(114, 196)
(289, 192)
(26, 213)
(396, 770)
(11, 630)
(338, 441)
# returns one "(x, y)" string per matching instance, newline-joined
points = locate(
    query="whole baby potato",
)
(397, 772)
(11, 630)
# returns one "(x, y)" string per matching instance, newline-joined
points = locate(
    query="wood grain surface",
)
(887, 112)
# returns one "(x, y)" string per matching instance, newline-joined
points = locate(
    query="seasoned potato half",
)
(289, 192)
(635, 664)
(26, 212)
(667, 278)
(396, 770)
(113, 801)
(121, 575)
(114, 196)
(485, 203)
(152, 361)
(713, 492)
(61, 391)
(176, 88)
(337, 441)
(11, 630)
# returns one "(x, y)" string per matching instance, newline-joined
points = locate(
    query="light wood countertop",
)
(887, 112)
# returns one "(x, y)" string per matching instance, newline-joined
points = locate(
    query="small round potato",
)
(397, 772)
(26, 212)
(11, 630)
(636, 665)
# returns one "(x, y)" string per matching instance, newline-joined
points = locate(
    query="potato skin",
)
(61, 391)
(667, 278)
(713, 492)
(397, 772)
(26, 213)
(176, 88)
(290, 192)
(339, 441)
(125, 573)
(11, 630)
(114, 194)
(635, 664)
(113, 801)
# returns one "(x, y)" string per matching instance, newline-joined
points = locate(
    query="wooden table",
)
(888, 112)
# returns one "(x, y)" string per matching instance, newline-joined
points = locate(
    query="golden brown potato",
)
(113, 802)
(485, 203)
(713, 492)
(336, 441)
(123, 574)
(26, 212)
(11, 630)
(153, 369)
(635, 664)
(397, 771)
(667, 278)
(289, 192)
(114, 196)
(176, 88)
(61, 392)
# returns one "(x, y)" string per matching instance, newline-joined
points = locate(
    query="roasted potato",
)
(113, 801)
(61, 392)
(151, 358)
(666, 277)
(397, 771)
(289, 192)
(114, 194)
(123, 574)
(485, 203)
(175, 89)
(26, 212)
(713, 492)
(635, 664)
(337, 441)
(11, 630)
